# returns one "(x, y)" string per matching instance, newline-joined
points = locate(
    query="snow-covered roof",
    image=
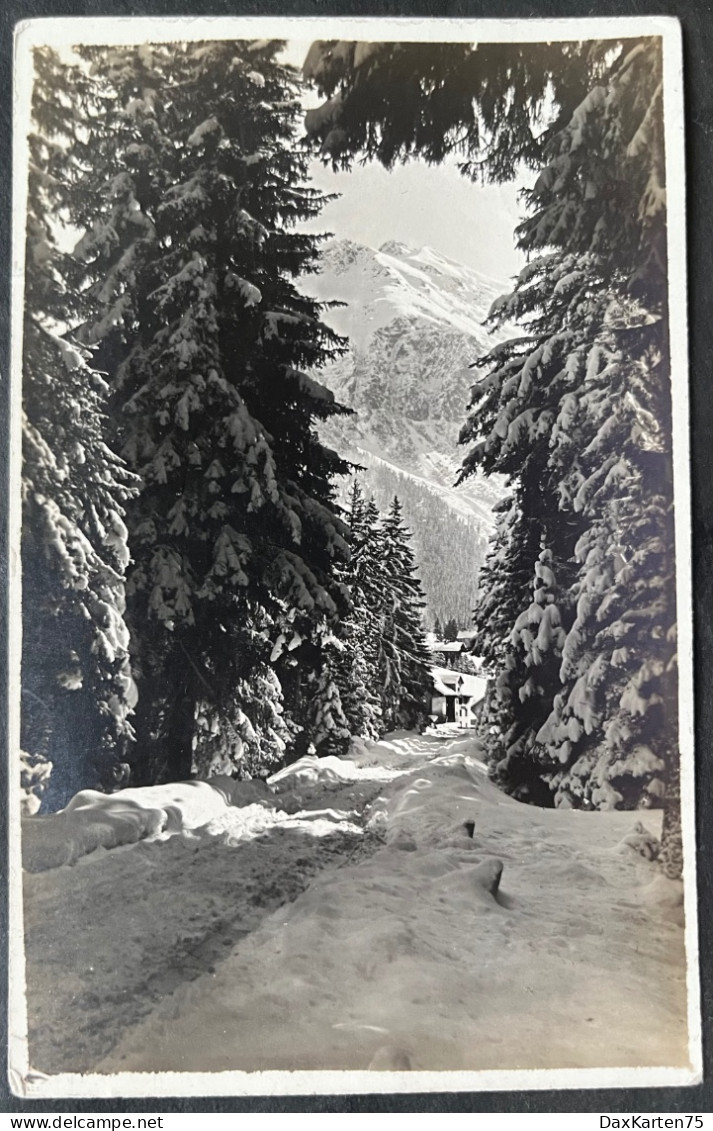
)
(445, 681)
(472, 686)
(447, 646)
(448, 682)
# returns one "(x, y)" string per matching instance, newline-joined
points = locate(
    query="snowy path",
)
(382, 948)
(108, 938)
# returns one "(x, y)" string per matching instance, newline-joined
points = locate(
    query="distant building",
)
(457, 697)
(447, 647)
(467, 637)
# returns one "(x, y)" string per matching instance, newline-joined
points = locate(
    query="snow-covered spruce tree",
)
(619, 659)
(450, 632)
(483, 101)
(596, 233)
(519, 620)
(358, 666)
(600, 318)
(614, 719)
(404, 659)
(515, 421)
(77, 690)
(326, 722)
(191, 188)
(502, 594)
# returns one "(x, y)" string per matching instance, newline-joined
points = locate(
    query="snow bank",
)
(222, 807)
(62, 838)
(330, 769)
(95, 820)
(396, 752)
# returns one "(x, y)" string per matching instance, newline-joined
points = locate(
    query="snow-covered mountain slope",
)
(356, 918)
(399, 281)
(415, 323)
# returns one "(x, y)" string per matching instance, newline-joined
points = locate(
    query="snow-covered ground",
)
(352, 921)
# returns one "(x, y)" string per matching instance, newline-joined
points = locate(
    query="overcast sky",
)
(419, 204)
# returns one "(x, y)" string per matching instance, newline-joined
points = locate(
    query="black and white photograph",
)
(351, 722)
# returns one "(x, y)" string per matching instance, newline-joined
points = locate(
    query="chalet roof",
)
(450, 683)
(447, 646)
(472, 686)
(444, 681)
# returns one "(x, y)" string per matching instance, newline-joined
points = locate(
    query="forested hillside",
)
(449, 548)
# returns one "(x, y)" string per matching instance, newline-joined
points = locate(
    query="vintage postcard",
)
(352, 698)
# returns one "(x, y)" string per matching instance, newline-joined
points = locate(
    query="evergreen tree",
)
(358, 667)
(191, 186)
(384, 671)
(593, 376)
(77, 690)
(404, 660)
(450, 632)
(449, 547)
(577, 412)
(484, 102)
(326, 723)
(507, 616)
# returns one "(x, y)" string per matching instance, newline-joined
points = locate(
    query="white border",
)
(157, 29)
(151, 1084)
(678, 337)
(18, 1061)
(114, 30)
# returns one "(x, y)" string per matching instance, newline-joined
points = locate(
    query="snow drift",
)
(95, 820)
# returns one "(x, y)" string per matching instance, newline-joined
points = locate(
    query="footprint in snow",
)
(483, 880)
(390, 1058)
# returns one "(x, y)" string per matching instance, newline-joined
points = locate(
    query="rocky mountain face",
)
(414, 319)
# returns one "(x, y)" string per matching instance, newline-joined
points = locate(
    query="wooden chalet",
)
(457, 697)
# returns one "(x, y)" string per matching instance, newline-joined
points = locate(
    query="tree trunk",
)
(164, 725)
(177, 741)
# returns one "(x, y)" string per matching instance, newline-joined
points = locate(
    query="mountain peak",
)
(396, 247)
(399, 282)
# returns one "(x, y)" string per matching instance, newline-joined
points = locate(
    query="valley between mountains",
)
(415, 321)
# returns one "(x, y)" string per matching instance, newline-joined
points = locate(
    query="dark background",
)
(697, 24)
